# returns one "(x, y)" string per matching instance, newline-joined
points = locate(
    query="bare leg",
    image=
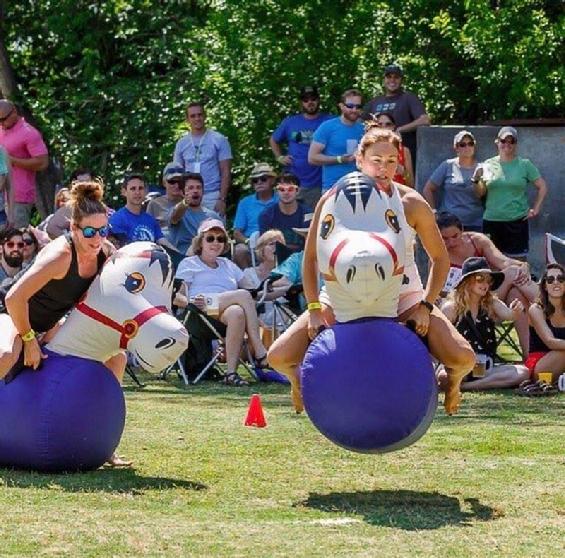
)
(10, 344)
(449, 347)
(243, 299)
(554, 361)
(521, 324)
(500, 376)
(117, 365)
(234, 318)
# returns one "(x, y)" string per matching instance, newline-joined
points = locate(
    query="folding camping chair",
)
(503, 332)
(554, 249)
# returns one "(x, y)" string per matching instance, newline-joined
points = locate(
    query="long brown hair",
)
(462, 298)
(543, 300)
(86, 199)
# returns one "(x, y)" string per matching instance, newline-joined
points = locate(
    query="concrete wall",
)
(544, 146)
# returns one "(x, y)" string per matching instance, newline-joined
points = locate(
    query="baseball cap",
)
(460, 135)
(172, 171)
(506, 131)
(309, 91)
(394, 69)
(210, 224)
(262, 169)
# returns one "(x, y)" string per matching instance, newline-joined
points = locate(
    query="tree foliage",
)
(108, 80)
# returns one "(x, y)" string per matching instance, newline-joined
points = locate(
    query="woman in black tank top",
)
(547, 324)
(55, 282)
(474, 310)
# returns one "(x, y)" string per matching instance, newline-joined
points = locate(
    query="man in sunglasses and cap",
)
(335, 142)
(296, 131)
(407, 109)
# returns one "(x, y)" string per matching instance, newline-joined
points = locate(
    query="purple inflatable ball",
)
(67, 416)
(369, 385)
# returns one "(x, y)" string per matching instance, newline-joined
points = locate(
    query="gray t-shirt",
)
(202, 155)
(456, 192)
(160, 208)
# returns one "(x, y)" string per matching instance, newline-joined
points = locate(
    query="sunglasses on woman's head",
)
(510, 141)
(550, 279)
(90, 232)
(215, 238)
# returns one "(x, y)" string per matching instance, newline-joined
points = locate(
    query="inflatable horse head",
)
(360, 242)
(127, 307)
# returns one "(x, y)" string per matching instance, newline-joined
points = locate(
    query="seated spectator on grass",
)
(450, 188)
(517, 282)
(474, 310)
(188, 214)
(130, 223)
(213, 283)
(287, 214)
(11, 253)
(31, 245)
(547, 324)
(160, 207)
(249, 208)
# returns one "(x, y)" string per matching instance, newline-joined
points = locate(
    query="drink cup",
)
(561, 382)
(546, 377)
(480, 368)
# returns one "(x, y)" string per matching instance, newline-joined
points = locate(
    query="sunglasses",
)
(509, 141)
(10, 244)
(215, 238)
(550, 279)
(286, 189)
(28, 241)
(353, 106)
(90, 232)
(466, 144)
(385, 124)
(259, 179)
(483, 279)
(309, 99)
(4, 118)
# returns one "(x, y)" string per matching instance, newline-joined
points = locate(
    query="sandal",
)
(233, 379)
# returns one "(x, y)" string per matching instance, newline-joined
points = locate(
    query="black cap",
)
(394, 69)
(309, 91)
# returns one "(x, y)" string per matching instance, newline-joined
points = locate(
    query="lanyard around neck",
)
(197, 148)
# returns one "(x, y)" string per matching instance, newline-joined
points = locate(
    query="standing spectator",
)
(404, 170)
(188, 214)
(297, 131)
(504, 180)
(27, 154)
(131, 223)
(335, 142)
(408, 111)
(452, 181)
(208, 153)
(287, 214)
(160, 207)
(4, 186)
(12, 254)
(249, 208)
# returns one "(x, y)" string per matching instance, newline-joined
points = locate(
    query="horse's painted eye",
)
(392, 220)
(327, 226)
(135, 282)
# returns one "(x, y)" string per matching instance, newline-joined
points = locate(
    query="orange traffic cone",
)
(255, 416)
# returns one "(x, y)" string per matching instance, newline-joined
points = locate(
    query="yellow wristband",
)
(30, 335)
(314, 306)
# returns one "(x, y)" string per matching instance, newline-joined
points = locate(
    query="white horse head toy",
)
(361, 249)
(128, 306)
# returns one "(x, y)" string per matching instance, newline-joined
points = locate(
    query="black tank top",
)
(536, 343)
(482, 336)
(48, 305)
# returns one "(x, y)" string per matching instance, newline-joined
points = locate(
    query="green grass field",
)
(487, 482)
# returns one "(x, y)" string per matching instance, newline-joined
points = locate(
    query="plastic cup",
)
(546, 377)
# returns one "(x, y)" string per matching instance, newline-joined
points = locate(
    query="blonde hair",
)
(86, 199)
(267, 237)
(375, 134)
(62, 196)
(461, 297)
(197, 241)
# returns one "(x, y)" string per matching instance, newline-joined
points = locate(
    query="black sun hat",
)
(474, 265)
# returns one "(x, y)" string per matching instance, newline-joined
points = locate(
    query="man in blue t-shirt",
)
(297, 131)
(131, 223)
(335, 142)
(187, 215)
(287, 214)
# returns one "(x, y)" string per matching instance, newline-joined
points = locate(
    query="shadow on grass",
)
(403, 509)
(102, 480)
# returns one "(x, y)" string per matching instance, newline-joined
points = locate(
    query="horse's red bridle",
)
(129, 328)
